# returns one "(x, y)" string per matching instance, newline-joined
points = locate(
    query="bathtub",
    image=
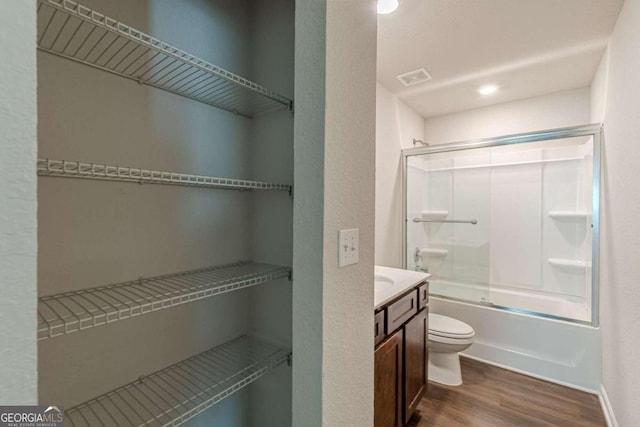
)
(557, 351)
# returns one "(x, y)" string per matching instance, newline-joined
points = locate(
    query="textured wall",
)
(396, 127)
(349, 197)
(18, 239)
(334, 148)
(620, 247)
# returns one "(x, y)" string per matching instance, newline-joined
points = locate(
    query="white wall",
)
(349, 184)
(599, 90)
(396, 127)
(335, 189)
(557, 110)
(18, 238)
(618, 86)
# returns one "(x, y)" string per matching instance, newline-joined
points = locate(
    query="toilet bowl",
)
(447, 337)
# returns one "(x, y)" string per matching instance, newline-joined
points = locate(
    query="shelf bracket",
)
(290, 359)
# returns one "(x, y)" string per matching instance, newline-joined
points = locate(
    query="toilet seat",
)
(444, 328)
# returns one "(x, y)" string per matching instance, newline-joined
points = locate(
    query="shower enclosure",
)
(509, 222)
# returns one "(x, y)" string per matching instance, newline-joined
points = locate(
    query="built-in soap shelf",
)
(434, 214)
(569, 215)
(434, 252)
(568, 263)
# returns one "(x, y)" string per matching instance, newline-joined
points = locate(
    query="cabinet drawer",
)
(401, 311)
(379, 327)
(423, 295)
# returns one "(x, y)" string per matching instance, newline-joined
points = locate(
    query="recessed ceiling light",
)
(488, 90)
(387, 6)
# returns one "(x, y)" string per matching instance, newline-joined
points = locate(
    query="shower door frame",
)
(596, 131)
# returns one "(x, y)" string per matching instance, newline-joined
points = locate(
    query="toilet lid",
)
(448, 327)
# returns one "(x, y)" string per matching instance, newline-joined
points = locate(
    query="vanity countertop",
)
(392, 282)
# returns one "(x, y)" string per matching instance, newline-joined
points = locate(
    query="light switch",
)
(348, 247)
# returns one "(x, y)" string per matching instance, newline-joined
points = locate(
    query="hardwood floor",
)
(495, 397)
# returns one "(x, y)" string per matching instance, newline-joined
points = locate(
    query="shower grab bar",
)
(448, 221)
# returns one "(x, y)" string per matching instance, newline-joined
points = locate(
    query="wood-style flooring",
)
(495, 397)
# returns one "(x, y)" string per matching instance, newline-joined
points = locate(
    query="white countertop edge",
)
(403, 280)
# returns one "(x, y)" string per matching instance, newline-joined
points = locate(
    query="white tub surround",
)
(393, 282)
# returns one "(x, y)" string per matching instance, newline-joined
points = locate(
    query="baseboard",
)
(530, 374)
(607, 410)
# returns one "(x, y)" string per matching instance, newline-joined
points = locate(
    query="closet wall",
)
(93, 233)
(271, 156)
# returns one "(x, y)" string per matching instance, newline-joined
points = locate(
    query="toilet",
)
(447, 337)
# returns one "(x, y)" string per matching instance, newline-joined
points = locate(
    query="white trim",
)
(607, 410)
(530, 374)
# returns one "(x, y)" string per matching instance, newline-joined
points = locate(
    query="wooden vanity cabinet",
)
(401, 358)
(388, 382)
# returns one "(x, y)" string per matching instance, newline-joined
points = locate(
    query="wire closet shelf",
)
(70, 169)
(176, 394)
(70, 312)
(75, 32)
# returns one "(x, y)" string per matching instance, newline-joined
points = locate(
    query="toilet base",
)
(444, 368)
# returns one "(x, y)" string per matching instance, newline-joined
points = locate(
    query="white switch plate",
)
(348, 247)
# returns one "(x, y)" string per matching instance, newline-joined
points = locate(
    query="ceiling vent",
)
(415, 77)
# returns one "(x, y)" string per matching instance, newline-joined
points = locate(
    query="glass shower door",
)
(448, 220)
(512, 225)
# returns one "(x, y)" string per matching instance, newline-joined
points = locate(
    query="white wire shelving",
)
(75, 32)
(70, 312)
(176, 394)
(72, 169)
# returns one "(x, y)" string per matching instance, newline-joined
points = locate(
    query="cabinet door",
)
(388, 382)
(415, 362)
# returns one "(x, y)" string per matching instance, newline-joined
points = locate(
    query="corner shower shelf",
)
(78, 310)
(176, 394)
(434, 252)
(427, 215)
(568, 263)
(68, 169)
(569, 215)
(77, 33)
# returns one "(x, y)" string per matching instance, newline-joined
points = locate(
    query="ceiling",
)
(526, 47)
